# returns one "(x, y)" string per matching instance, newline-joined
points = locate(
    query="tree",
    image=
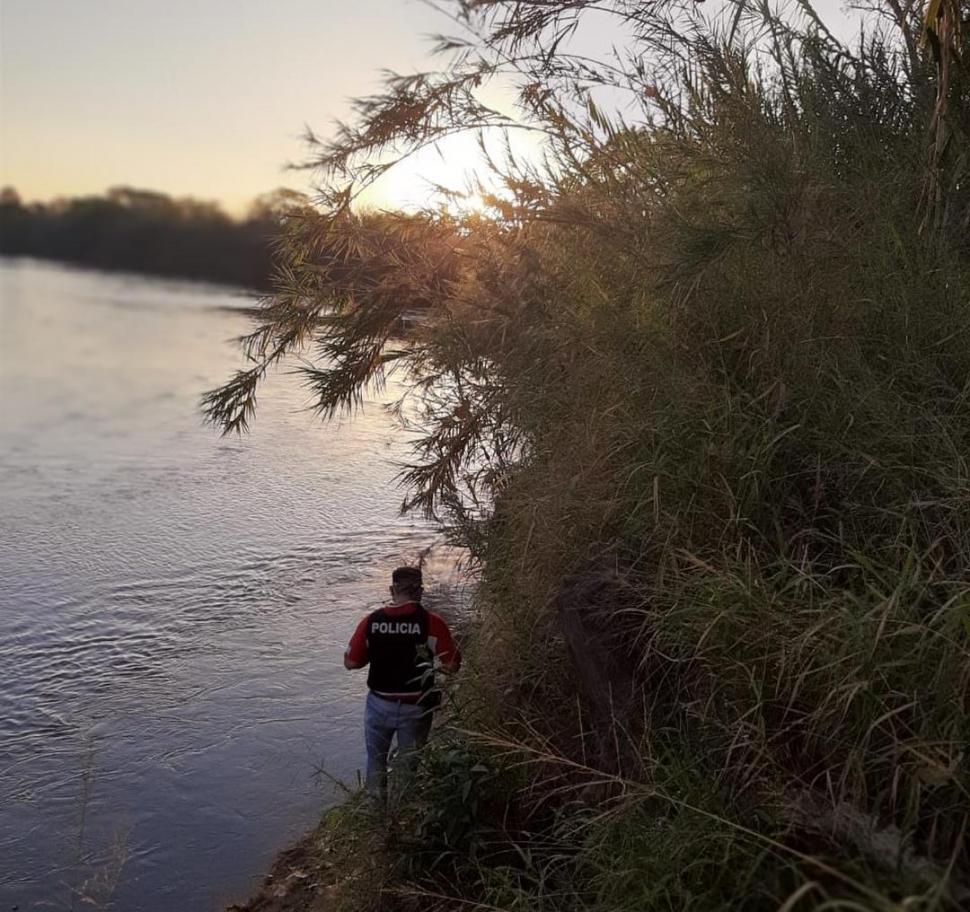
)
(277, 204)
(142, 231)
(682, 72)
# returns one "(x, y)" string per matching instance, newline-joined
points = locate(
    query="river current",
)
(173, 604)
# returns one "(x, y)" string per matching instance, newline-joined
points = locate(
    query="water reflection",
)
(173, 605)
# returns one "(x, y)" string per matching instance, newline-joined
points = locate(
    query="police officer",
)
(400, 642)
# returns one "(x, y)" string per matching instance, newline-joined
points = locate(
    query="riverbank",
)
(344, 864)
(575, 789)
(302, 879)
(698, 406)
(293, 883)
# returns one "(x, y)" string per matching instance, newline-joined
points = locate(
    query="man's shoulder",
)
(370, 616)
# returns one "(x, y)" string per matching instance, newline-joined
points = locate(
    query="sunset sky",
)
(197, 97)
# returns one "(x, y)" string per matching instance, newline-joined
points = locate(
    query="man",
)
(400, 642)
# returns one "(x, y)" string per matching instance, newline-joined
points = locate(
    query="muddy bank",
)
(301, 880)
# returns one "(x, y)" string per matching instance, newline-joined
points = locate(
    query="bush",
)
(723, 352)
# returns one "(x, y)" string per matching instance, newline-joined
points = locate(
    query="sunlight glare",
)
(454, 164)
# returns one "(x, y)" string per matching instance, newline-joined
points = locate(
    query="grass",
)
(715, 355)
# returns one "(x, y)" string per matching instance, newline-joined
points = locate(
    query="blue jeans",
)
(382, 720)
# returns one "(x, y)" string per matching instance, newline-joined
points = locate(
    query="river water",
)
(173, 604)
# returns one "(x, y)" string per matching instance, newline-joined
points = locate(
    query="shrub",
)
(723, 351)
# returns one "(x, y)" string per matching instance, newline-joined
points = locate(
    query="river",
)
(173, 604)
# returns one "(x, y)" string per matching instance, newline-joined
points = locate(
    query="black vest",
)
(397, 646)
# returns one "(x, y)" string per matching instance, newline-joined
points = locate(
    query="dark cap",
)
(407, 577)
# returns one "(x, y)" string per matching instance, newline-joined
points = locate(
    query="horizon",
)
(206, 102)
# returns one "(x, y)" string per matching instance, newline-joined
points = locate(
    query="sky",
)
(192, 97)
(204, 98)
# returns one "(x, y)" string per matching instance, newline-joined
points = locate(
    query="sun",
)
(455, 164)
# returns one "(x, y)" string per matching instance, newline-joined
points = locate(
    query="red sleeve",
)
(440, 640)
(357, 650)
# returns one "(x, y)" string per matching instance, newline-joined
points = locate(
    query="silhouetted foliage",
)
(143, 231)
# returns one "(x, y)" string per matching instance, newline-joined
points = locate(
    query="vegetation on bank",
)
(697, 401)
(144, 231)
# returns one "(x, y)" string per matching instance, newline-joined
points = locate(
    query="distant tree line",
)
(143, 231)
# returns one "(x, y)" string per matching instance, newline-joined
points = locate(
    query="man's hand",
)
(449, 663)
(351, 665)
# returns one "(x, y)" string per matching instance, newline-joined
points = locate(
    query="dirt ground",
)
(297, 882)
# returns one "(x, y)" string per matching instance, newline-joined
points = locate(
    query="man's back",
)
(400, 642)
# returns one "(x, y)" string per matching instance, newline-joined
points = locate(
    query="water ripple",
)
(173, 606)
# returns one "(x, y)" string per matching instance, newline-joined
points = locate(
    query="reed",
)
(717, 347)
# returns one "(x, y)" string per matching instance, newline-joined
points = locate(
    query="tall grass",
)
(716, 353)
